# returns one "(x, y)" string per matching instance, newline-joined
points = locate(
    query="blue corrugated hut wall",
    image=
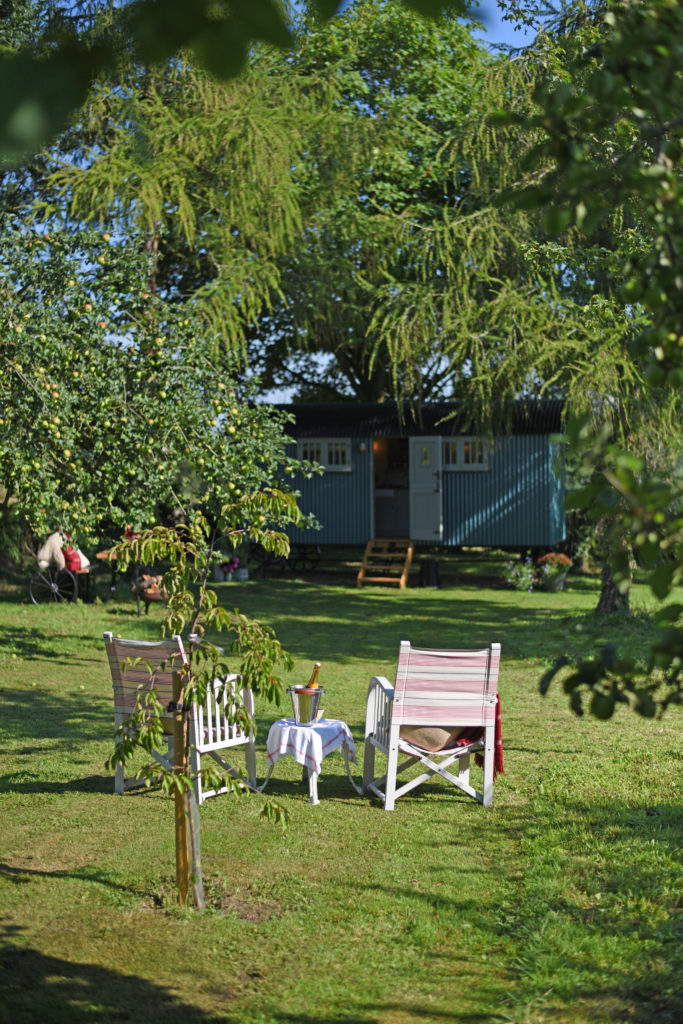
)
(341, 502)
(519, 501)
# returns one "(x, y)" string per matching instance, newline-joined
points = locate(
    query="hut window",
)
(334, 454)
(466, 453)
(311, 451)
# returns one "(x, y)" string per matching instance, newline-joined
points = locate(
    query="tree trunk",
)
(611, 598)
(187, 851)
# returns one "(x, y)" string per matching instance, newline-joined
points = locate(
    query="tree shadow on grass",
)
(627, 860)
(64, 716)
(375, 1013)
(16, 782)
(369, 626)
(23, 875)
(38, 987)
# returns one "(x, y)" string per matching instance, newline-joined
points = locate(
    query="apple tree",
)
(111, 403)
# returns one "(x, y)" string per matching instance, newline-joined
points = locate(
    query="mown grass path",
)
(561, 903)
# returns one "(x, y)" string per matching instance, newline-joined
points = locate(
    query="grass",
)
(561, 903)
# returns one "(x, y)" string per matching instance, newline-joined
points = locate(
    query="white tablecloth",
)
(308, 744)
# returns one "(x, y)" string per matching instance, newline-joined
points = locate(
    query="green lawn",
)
(561, 903)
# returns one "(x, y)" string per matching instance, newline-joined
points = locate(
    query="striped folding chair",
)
(211, 728)
(443, 708)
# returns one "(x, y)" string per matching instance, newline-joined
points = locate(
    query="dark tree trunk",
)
(611, 598)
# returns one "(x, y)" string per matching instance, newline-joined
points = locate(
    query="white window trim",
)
(324, 460)
(460, 466)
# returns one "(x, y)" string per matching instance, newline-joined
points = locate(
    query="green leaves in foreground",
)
(646, 515)
(43, 84)
(605, 681)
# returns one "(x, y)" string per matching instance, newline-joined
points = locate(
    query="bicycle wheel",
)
(265, 562)
(304, 557)
(53, 585)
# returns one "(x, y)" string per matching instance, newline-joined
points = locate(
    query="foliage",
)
(191, 550)
(112, 411)
(553, 564)
(46, 79)
(611, 134)
(521, 575)
(404, 86)
(203, 171)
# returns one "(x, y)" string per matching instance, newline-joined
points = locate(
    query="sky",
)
(498, 31)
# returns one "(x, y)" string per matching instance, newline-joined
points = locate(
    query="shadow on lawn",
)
(36, 986)
(23, 875)
(63, 716)
(368, 626)
(608, 898)
(16, 782)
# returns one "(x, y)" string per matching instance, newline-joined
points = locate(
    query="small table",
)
(309, 744)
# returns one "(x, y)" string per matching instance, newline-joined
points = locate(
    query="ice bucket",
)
(305, 701)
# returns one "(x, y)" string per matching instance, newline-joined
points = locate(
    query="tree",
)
(110, 402)
(190, 551)
(611, 134)
(412, 280)
(74, 44)
(203, 172)
(402, 85)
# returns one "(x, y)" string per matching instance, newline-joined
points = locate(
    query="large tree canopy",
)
(64, 46)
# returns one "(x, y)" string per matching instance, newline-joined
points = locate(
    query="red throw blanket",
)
(72, 559)
(476, 733)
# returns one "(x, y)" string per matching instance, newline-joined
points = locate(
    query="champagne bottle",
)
(313, 681)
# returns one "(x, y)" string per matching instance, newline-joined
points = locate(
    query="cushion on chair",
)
(429, 737)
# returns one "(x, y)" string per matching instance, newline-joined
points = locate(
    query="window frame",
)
(481, 445)
(327, 445)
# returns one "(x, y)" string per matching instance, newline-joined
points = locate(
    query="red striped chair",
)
(453, 693)
(211, 730)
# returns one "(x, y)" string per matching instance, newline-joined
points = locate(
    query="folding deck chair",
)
(211, 730)
(448, 689)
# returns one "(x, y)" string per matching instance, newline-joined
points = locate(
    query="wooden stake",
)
(182, 836)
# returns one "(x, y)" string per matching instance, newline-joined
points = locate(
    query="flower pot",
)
(220, 574)
(555, 583)
(241, 574)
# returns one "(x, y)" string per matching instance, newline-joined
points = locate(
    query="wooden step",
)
(386, 555)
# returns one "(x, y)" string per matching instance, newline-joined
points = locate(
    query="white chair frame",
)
(442, 694)
(211, 728)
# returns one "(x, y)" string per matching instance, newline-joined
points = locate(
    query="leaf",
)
(327, 8)
(547, 677)
(645, 705)
(661, 579)
(556, 219)
(37, 96)
(602, 706)
(670, 613)
(576, 703)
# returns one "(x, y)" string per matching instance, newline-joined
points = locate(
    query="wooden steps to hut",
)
(386, 560)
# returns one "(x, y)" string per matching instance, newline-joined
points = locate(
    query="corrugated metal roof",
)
(381, 419)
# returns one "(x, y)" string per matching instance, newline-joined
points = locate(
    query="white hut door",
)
(426, 505)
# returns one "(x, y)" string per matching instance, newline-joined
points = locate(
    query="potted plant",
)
(552, 570)
(521, 575)
(224, 569)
